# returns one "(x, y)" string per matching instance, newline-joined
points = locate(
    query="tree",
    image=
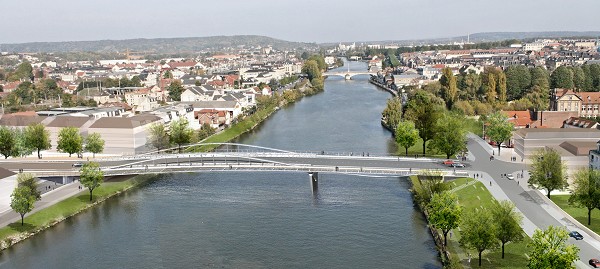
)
(181, 133)
(29, 180)
(498, 129)
(444, 212)
(91, 176)
(586, 190)
(562, 77)
(21, 148)
(94, 144)
(22, 201)
(158, 136)
(549, 249)
(392, 114)
(449, 88)
(491, 88)
(508, 223)
(69, 140)
(548, 170)
(168, 75)
(205, 131)
(518, 80)
(175, 90)
(311, 69)
(578, 78)
(501, 87)
(406, 134)
(430, 183)
(476, 231)
(424, 110)
(450, 135)
(7, 141)
(37, 137)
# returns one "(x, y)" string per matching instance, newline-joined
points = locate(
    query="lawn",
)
(473, 194)
(579, 213)
(68, 207)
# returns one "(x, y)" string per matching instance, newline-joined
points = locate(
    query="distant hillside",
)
(496, 36)
(159, 45)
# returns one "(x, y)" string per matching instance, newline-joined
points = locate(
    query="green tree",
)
(94, 144)
(548, 170)
(501, 88)
(430, 183)
(392, 114)
(91, 176)
(518, 80)
(37, 137)
(444, 212)
(549, 249)
(7, 141)
(449, 88)
(175, 90)
(181, 133)
(168, 75)
(578, 78)
(562, 77)
(22, 201)
(21, 147)
(158, 137)
(491, 88)
(450, 135)
(205, 131)
(538, 96)
(406, 135)
(320, 61)
(424, 110)
(540, 77)
(28, 180)
(69, 140)
(23, 71)
(311, 69)
(508, 223)
(585, 191)
(477, 231)
(498, 129)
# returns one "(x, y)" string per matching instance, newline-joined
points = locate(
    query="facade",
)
(594, 157)
(586, 104)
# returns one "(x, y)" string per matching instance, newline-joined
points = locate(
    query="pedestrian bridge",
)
(349, 74)
(250, 158)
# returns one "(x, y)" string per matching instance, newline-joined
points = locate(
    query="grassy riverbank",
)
(50, 216)
(472, 194)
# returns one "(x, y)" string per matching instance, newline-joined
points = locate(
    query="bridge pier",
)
(314, 181)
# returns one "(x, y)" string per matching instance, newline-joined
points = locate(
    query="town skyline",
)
(332, 21)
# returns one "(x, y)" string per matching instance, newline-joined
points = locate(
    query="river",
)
(257, 220)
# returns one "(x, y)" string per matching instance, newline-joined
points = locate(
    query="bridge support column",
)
(314, 181)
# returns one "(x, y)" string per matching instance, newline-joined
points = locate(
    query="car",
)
(448, 162)
(458, 165)
(576, 235)
(510, 176)
(595, 263)
(77, 164)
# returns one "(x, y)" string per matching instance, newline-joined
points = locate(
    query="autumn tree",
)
(501, 87)
(491, 88)
(548, 171)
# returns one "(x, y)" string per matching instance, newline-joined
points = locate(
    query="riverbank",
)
(52, 215)
(473, 194)
(267, 108)
(383, 87)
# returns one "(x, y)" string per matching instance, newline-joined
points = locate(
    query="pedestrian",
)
(469, 257)
(490, 183)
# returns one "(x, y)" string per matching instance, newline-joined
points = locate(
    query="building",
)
(594, 157)
(586, 104)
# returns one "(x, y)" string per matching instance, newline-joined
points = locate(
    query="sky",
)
(320, 21)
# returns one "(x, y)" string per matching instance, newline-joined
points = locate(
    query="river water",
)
(257, 220)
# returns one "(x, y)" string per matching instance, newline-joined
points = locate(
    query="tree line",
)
(15, 142)
(178, 132)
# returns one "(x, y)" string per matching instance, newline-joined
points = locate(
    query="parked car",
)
(77, 164)
(448, 162)
(576, 235)
(510, 176)
(458, 165)
(595, 263)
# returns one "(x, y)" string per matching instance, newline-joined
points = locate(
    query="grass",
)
(47, 217)
(417, 148)
(475, 195)
(579, 213)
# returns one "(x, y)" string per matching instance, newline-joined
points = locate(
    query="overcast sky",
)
(302, 20)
